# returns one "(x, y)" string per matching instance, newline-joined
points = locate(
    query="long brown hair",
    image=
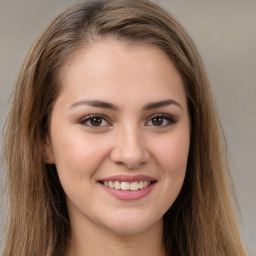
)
(200, 222)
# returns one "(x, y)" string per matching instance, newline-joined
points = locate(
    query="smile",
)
(123, 185)
(130, 188)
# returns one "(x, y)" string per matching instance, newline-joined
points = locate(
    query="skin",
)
(127, 141)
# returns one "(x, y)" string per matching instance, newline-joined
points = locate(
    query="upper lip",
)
(129, 178)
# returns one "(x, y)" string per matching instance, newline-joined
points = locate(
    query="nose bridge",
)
(130, 146)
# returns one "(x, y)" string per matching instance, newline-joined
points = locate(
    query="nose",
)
(129, 148)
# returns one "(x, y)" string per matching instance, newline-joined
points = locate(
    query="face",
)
(119, 136)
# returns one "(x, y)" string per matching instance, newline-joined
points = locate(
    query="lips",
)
(125, 187)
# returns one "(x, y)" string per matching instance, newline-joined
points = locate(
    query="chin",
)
(131, 225)
(129, 229)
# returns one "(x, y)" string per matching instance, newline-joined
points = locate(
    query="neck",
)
(88, 241)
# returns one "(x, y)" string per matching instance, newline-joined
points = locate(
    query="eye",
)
(161, 120)
(95, 121)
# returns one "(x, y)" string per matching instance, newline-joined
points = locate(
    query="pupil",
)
(96, 121)
(157, 121)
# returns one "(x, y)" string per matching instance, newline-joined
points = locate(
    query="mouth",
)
(128, 187)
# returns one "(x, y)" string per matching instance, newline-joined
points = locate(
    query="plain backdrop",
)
(225, 33)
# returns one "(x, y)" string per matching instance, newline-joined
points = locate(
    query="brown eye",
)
(96, 121)
(161, 120)
(157, 121)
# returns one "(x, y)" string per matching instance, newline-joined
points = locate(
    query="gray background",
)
(225, 33)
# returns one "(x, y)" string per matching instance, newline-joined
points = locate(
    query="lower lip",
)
(128, 194)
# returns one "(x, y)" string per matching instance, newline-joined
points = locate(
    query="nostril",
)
(130, 158)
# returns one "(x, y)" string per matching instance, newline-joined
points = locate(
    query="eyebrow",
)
(107, 105)
(96, 103)
(162, 103)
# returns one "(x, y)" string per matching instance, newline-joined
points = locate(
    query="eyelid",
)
(88, 117)
(169, 117)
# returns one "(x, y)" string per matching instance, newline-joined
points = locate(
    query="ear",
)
(48, 155)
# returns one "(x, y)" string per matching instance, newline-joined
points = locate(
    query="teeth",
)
(141, 185)
(122, 185)
(111, 184)
(117, 185)
(134, 186)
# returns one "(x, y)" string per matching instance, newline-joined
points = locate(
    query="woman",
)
(112, 143)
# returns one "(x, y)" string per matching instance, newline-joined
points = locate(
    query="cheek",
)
(172, 155)
(77, 157)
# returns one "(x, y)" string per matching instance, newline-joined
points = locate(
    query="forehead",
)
(107, 68)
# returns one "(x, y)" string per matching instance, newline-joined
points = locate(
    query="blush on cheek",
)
(174, 152)
(174, 165)
(79, 158)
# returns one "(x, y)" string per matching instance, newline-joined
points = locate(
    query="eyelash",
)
(89, 119)
(165, 118)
